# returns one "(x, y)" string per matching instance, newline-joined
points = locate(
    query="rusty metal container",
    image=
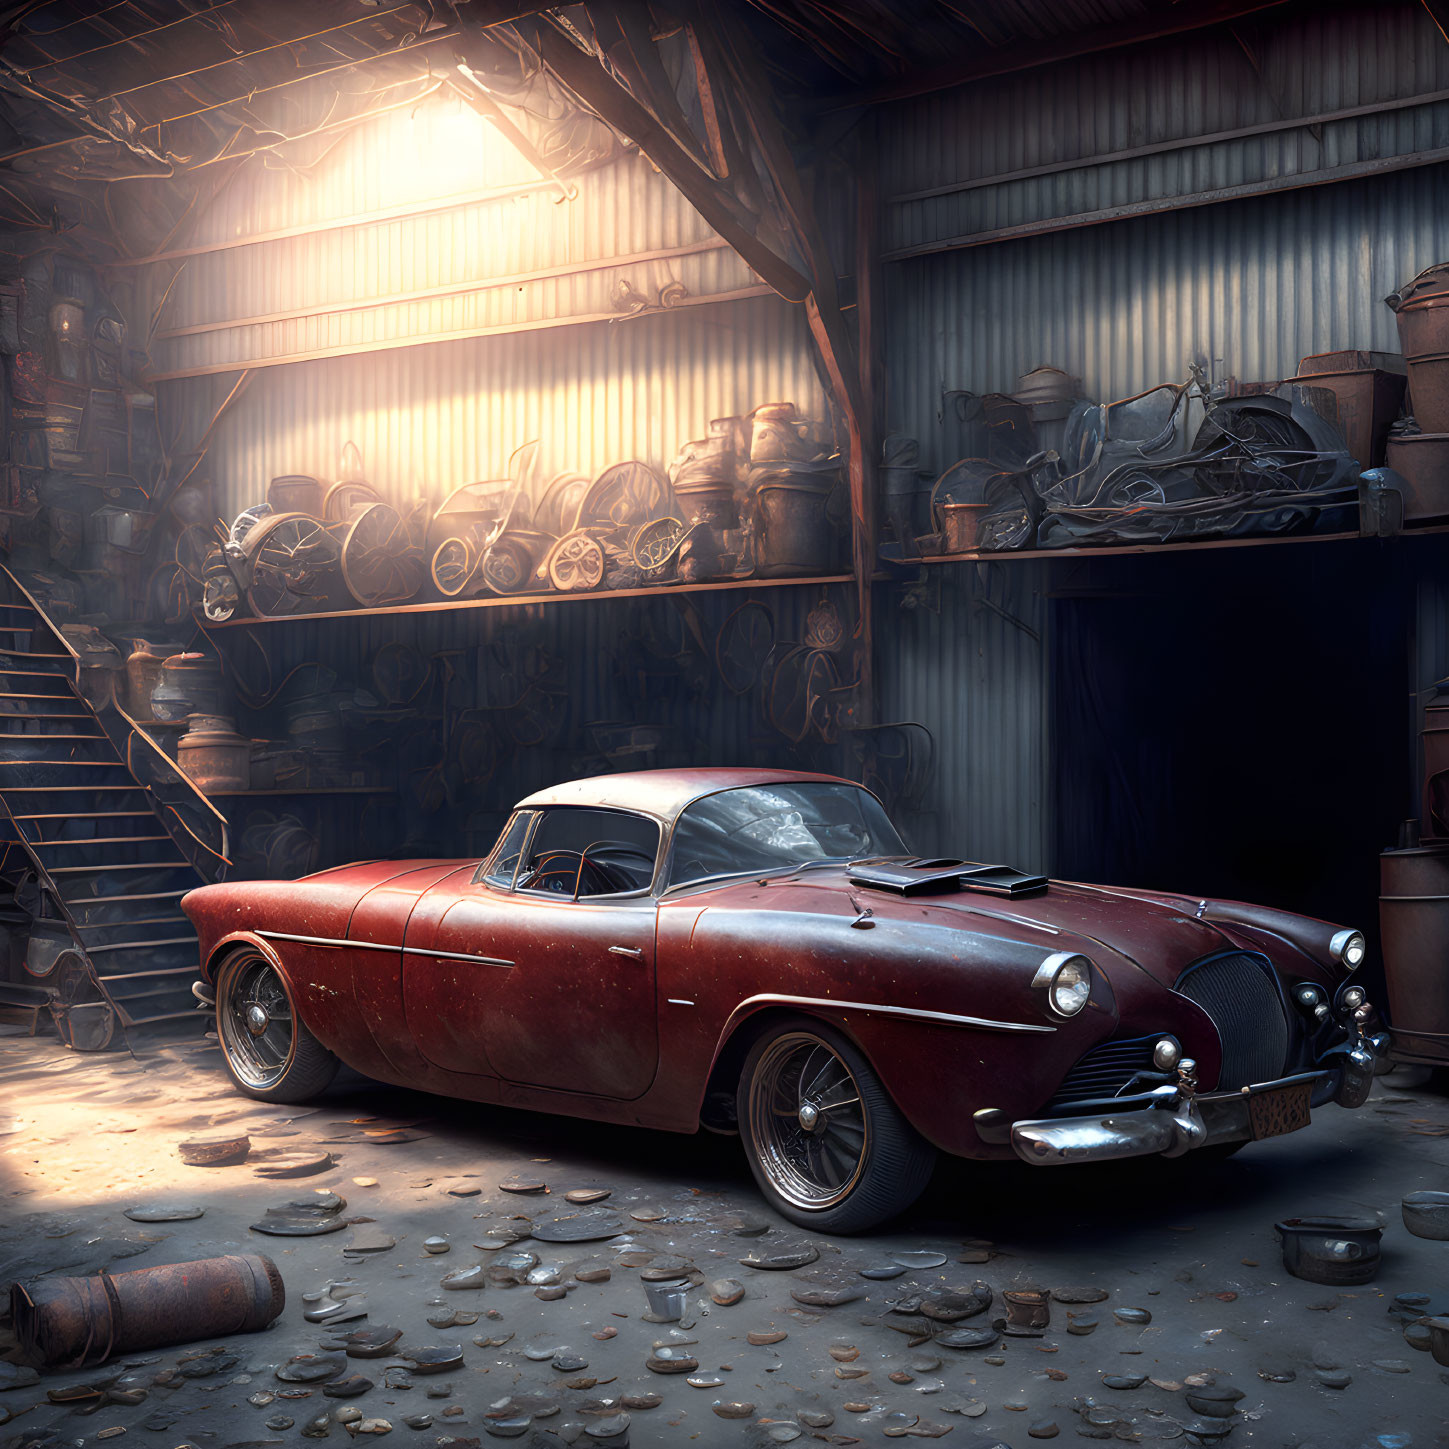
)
(216, 758)
(143, 674)
(1424, 336)
(197, 677)
(1369, 388)
(1435, 736)
(296, 493)
(959, 522)
(793, 535)
(1414, 929)
(71, 1323)
(1423, 460)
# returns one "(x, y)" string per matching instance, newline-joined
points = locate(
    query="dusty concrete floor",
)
(84, 1138)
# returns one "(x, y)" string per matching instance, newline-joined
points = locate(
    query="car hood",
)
(1159, 935)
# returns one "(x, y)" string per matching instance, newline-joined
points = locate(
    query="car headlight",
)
(1348, 948)
(1067, 981)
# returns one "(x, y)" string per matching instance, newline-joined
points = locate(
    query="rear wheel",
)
(827, 1146)
(267, 1048)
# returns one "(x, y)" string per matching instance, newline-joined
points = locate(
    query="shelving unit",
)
(514, 601)
(1189, 546)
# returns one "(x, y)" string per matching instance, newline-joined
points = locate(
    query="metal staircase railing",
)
(103, 866)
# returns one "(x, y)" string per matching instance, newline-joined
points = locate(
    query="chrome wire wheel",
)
(807, 1122)
(256, 1021)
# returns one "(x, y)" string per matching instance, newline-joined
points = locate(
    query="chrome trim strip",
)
(381, 946)
(941, 1018)
(457, 956)
(326, 941)
(679, 1001)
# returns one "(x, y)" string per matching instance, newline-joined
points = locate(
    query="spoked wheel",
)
(826, 1144)
(268, 1050)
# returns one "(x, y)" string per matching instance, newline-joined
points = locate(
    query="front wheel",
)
(267, 1048)
(827, 1146)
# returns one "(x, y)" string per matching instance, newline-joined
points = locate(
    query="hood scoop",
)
(913, 876)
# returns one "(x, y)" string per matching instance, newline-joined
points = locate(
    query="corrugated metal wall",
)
(641, 662)
(1261, 73)
(429, 419)
(1246, 287)
(457, 264)
(432, 416)
(968, 662)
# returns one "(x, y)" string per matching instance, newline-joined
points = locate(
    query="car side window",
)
(505, 857)
(577, 852)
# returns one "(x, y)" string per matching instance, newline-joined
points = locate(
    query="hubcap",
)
(807, 1122)
(254, 1021)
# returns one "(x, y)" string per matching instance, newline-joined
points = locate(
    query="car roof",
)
(663, 793)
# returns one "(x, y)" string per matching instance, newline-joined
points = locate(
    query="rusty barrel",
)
(1424, 336)
(73, 1323)
(1414, 927)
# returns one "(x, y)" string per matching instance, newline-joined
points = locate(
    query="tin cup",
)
(667, 1301)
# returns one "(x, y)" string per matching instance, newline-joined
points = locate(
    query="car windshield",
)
(775, 827)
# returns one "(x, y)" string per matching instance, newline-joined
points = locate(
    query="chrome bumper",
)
(1177, 1119)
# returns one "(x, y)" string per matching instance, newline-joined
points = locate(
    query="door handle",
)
(626, 950)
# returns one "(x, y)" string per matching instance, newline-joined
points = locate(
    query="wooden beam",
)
(598, 90)
(714, 136)
(450, 289)
(1353, 171)
(429, 339)
(1158, 24)
(822, 309)
(405, 212)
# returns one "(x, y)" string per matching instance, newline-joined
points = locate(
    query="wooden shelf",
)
(514, 601)
(1190, 546)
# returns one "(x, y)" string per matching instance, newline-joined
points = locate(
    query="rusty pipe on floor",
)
(71, 1323)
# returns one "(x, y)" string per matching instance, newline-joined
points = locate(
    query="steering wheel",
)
(560, 872)
(620, 847)
(553, 872)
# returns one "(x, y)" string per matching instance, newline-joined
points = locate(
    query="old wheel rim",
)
(255, 1023)
(807, 1122)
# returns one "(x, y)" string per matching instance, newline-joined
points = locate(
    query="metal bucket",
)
(708, 500)
(1337, 1251)
(793, 535)
(959, 522)
(296, 493)
(198, 677)
(216, 759)
(1423, 460)
(71, 1323)
(1414, 929)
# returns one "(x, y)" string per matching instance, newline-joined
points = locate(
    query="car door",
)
(538, 985)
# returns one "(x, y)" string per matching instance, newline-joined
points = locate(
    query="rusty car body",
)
(756, 950)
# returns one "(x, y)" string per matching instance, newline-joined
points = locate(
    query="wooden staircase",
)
(100, 837)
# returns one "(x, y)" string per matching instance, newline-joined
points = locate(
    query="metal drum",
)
(1414, 926)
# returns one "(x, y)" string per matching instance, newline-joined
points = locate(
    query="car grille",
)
(1105, 1070)
(1240, 993)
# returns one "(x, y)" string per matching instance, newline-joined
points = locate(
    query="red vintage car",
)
(757, 951)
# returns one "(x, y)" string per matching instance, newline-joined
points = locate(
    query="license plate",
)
(1278, 1110)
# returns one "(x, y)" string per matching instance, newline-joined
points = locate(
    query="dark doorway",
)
(1234, 722)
